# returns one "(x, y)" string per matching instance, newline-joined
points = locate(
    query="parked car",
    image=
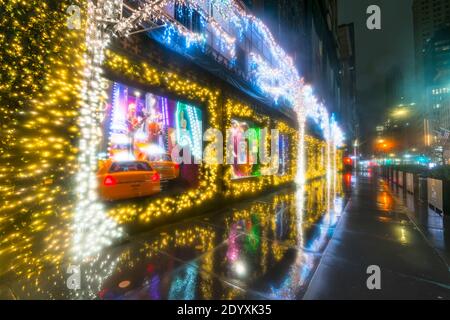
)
(167, 169)
(127, 179)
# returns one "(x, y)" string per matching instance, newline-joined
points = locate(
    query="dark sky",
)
(378, 51)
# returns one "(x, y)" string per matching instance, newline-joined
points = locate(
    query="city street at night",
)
(266, 248)
(224, 158)
(269, 248)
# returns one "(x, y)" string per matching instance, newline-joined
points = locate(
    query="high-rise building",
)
(322, 63)
(401, 133)
(346, 35)
(437, 83)
(432, 46)
(437, 77)
(429, 17)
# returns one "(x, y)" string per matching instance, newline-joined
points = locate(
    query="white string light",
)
(93, 229)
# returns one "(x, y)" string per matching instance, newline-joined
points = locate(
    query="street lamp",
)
(355, 145)
(401, 112)
(383, 146)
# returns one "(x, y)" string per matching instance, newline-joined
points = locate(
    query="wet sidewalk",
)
(263, 248)
(434, 226)
(376, 229)
(283, 245)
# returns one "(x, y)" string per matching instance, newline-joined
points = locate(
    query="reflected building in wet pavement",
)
(284, 245)
(87, 158)
(96, 207)
(265, 248)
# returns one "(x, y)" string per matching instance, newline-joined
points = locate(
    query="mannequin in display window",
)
(134, 122)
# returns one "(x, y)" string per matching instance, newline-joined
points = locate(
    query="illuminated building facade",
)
(429, 17)
(437, 77)
(127, 92)
(432, 55)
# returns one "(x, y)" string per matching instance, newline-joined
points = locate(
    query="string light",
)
(153, 210)
(39, 97)
(44, 94)
(93, 229)
(237, 188)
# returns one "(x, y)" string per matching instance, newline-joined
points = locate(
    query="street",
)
(225, 150)
(266, 249)
(378, 228)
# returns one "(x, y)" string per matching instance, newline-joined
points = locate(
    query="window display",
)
(245, 141)
(245, 148)
(142, 126)
(189, 128)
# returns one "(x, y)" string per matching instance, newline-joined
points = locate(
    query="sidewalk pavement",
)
(376, 230)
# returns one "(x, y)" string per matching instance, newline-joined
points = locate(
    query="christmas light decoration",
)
(93, 230)
(239, 188)
(39, 108)
(164, 207)
(287, 72)
(51, 105)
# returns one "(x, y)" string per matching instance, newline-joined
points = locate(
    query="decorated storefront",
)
(141, 125)
(81, 116)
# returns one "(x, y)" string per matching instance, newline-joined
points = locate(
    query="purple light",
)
(165, 111)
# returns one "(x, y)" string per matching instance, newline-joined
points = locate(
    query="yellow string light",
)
(165, 207)
(41, 63)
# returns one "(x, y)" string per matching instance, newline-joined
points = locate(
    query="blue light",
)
(271, 70)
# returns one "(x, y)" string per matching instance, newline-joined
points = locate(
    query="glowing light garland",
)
(93, 229)
(332, 133)
(98, 39)
(278, 79)
(273, 81)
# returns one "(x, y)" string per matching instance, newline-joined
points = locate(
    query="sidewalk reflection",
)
(264, 248)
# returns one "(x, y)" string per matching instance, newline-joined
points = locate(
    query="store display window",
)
(244, 144)
(143, 126)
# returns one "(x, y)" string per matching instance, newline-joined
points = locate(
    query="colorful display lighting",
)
(278, 78)
(69, 107)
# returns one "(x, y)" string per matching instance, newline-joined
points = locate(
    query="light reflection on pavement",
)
(266, 248)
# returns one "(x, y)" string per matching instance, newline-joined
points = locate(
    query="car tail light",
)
(155, 177)
(176, 166)
(109, 181)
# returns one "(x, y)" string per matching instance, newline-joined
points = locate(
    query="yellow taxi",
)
(127, 179)
(167, 169)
